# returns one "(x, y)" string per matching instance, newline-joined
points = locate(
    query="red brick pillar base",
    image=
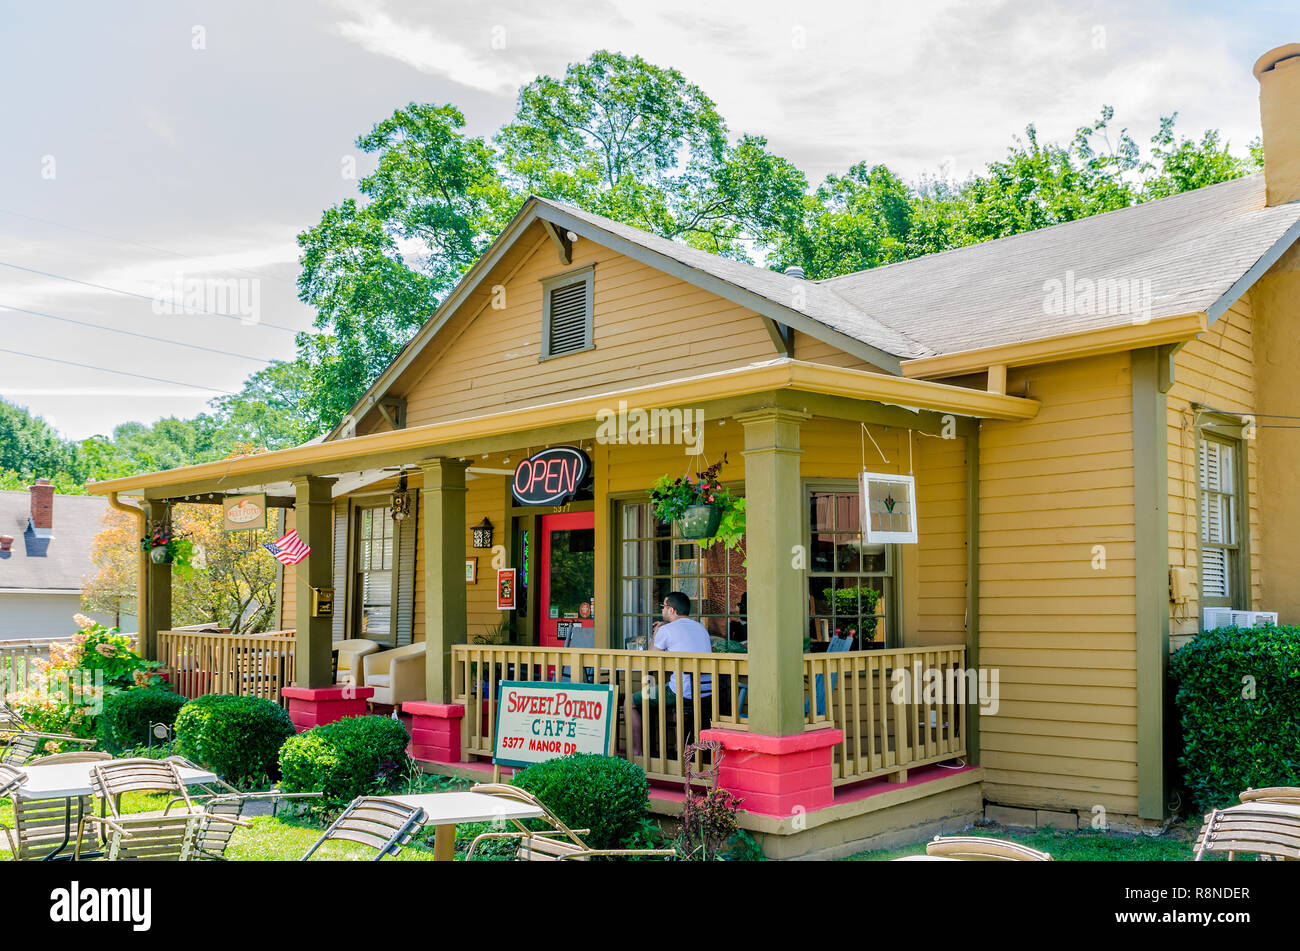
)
(316, 706)
(435, 730)
(777, 775)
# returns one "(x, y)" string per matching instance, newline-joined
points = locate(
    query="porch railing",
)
(898, 708)
(252, 665)
(18, 660)
(889, 725)
(666, 730)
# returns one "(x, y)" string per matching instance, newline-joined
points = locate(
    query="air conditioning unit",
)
(1254, 618)
(1217, 617)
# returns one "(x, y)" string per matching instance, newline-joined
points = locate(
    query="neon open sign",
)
(550, 477)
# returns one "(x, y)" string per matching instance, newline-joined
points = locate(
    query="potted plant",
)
(700, 508)
(165, 548)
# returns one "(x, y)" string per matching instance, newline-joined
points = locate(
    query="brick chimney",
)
(1278, 72)
(42, 507)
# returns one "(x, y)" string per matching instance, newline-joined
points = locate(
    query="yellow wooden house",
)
(1098, 423)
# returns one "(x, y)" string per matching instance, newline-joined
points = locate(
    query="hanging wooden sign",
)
(244, 513)
(887, 507)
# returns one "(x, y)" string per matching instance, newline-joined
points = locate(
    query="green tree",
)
(29, 446)
(374, 271)
(638, 143)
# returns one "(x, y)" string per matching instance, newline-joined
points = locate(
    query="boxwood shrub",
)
(355, 756)
(124, 724)
(239, 738)
(605, 794)
(1238, 698)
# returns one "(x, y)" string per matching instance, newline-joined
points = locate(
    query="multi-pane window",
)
(375, 561)
(1220, 522)
(848, 580)
(654, 561)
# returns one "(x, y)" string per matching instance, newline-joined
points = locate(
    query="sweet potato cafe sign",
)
(550, 477)
(541, 721)
(244, 513)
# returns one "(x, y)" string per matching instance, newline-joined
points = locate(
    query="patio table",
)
(445, 810)
(71, 781)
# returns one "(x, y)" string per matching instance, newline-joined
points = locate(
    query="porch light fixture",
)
(483, 534)
(399, 507)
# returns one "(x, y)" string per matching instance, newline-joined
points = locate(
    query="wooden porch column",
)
(778, 614)
(154, 607)
(313, 521)
(445, 621)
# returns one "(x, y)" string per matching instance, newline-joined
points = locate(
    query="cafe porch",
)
(798, 729)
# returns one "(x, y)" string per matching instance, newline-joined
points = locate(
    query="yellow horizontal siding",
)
(1060, 633)
(1215, 370)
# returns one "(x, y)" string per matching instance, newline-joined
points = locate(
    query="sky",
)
(158, 155)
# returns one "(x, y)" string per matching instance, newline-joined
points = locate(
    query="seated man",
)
(677, 633)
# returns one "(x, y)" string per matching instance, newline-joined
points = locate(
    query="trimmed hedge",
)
(124, 724)
(1238, 697)
(355, 756)
(605, 794)
(238, 738)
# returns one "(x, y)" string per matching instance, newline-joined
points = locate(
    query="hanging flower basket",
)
(699, 521)
(700, 508)
(161, 555)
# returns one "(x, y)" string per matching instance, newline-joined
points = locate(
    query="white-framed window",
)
(376, 562)
(1220, 518)
(568, 301)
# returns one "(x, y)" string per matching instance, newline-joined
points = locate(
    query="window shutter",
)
(404, 596)
(1214, 571)
(342, 522)
(569, 319)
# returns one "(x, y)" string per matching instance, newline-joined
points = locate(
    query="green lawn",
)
(1086, 845)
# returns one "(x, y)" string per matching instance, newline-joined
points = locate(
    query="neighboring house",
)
(45, 546)
(1096, 416)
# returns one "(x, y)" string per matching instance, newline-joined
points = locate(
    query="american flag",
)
(289, 550)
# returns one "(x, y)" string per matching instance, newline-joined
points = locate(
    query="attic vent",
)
(567, 314)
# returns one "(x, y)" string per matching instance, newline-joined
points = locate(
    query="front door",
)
(567, 569)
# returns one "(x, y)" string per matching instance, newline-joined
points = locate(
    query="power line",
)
(139, 244)
(132, 333)
(118, 290)
(138, 376)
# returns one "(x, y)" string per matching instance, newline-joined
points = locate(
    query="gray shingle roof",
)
(1190, 247)
(1177, 255)
(57, 563)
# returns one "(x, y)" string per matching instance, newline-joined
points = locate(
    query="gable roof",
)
(1196, 252)
(58, 563)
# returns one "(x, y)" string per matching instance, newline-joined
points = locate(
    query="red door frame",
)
(547, 625)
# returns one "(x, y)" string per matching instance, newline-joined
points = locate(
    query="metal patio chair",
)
(1287, 794)
(22, 746)
(382, 824)
(553, 844)
(977, 848)
(11, 777)
(225, 811)
(1263, 829)
(42, 826)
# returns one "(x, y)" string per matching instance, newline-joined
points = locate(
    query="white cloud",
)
(421, 48)
(156, 123)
